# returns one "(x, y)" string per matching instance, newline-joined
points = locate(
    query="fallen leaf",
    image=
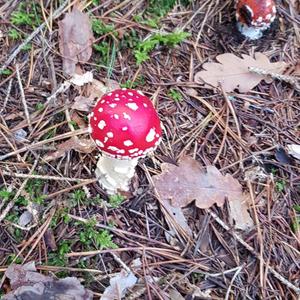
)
(238, 210)
(82, 79)
(190, 181)
(81, 145)
(94, 91)
(179, 231)
(119, 285)
(25, 218)
(75, 40)
(83, 103)
(111, 84)
(50, 240)
(232, 72)
(20, 135)
(80, 122)
(294, 150)
(26, 283)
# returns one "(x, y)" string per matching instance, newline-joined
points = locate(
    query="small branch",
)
(42, 143)
(7, 95)
(62, 88)
(42, 177)
(23, 98)
(289, 79)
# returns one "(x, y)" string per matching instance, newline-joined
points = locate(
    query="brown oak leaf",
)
(75, 40)
(232, 72)
(190, 181)
(82, 145)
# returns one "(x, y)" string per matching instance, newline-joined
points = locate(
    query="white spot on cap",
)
(116, 116)
(259, 20)
(110, 134)
(91, 114)
(130, 93)
(115, 149)
(157, 135)
(151, 135)
(112, 148)
(117, 95)
(102, 101)
(90, 129)
(145, 105)
(95, 118)
(105, 139)
(117, 99)
(99, 143)
(141, 93)
(124, 128)
(100, 109)
(101, 124)
(132, 106)
(126, 116)
(133, 150)
(113, 105)
(124, 89)
(140, 152)
(128, 143)
(274, 9)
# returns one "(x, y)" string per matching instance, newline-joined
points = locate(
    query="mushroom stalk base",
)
(115, 174)
(252, 33)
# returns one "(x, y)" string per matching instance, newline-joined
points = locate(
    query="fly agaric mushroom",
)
(125, 126)
(254, 17)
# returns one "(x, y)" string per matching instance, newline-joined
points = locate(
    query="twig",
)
(289, 79)
(7, 95)
(42, 143)
(23, 99)
(56, 14)
(252, 250)
(232, 281)
(68, 189)
(62, 88)
(42, 177)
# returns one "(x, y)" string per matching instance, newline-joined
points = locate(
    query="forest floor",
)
(52, 209)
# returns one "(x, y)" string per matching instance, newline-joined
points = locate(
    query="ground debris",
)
(119, 285)
(26, 283)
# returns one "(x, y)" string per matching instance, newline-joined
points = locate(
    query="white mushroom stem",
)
(115, 174)
(253, 33)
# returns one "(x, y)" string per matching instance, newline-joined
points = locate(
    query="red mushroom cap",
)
(256, 13)
(124, 124)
